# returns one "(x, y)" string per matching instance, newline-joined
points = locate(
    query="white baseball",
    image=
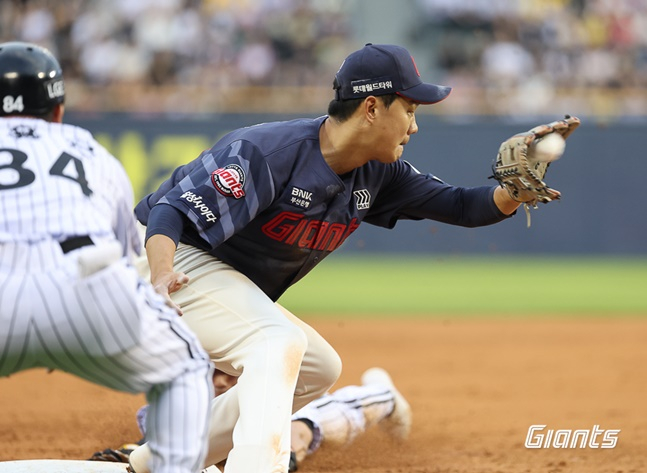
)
(547, 149)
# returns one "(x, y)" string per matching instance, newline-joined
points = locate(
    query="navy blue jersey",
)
(265, 201)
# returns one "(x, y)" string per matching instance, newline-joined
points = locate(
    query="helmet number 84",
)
(11, 104)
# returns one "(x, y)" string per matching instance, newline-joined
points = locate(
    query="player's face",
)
(396, 125)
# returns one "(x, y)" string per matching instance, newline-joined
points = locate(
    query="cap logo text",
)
(371, 85)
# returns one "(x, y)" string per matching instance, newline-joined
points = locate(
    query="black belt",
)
(75, 243)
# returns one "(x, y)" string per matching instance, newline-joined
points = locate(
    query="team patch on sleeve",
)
(229, 181)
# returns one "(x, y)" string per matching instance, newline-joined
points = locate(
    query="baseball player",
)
(231, 231)
(70, 299)
(337, 418)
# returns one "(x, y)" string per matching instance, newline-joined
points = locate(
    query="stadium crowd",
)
(138, 48)
(594, 51)
(197, 55)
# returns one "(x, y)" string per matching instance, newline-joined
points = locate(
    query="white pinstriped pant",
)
(282, 363)
(109, 328)
(340, 417)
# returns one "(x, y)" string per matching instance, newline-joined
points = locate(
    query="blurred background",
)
(504, 57)
(158, 81)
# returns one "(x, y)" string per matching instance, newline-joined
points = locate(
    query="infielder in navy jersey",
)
(232, 230)
(70, 298)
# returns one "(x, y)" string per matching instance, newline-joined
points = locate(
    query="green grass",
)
(427, 285)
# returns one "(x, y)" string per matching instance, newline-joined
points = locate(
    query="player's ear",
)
(370, 108)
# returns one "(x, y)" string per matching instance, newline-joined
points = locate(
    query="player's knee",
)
(286, 343)
(321, 368)
(330, 369)
(291, 346)
(296, 346)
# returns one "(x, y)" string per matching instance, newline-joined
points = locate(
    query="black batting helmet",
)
(31, 80)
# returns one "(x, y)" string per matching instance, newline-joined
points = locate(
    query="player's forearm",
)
(160, 251)
(504, 202)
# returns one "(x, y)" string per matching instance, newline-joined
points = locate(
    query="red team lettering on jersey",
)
(294, 229)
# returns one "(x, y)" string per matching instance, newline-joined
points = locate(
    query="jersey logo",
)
(23, 131)
(296, 230)
(229, 181)
(199, 206)
(301, 198)
(363, 199)
(55, 89)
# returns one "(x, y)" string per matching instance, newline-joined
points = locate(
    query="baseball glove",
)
(522, 177)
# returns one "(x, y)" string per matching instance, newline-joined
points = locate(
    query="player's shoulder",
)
(32, 127)
(271, 137)
(23, 129)
(64, 137)
(73, 133)
(399, 167)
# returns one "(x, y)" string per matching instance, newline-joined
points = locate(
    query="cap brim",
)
(426, 93)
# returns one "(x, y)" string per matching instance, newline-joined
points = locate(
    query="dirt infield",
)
(475, 386)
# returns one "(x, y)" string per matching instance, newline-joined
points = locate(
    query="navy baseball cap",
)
(381, 69)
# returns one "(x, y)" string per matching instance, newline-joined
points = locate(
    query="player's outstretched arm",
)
(160, 251)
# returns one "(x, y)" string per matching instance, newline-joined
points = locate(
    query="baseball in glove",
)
(522, 176)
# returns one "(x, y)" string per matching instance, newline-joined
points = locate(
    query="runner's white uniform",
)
(340, 417)
(70, 299)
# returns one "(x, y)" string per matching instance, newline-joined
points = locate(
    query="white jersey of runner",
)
(56, 181)
(69, 298)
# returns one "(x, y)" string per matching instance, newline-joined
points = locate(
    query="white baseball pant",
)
(282, 363)
(109, 328)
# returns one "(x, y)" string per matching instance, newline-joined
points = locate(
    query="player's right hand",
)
(167, 283)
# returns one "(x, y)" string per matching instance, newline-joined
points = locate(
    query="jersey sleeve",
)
(222, 192)
(408, 194)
